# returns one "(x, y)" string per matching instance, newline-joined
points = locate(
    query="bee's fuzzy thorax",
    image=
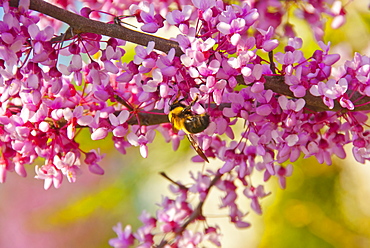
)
(182, 118)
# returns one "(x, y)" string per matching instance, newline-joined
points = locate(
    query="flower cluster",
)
(223, 65)
(174, 217)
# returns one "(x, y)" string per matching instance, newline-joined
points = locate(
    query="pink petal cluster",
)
(45, 101)
(171, 218)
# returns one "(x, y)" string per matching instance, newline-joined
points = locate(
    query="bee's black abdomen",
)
(197, 123)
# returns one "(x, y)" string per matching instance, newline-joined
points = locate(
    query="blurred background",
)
(323, 206)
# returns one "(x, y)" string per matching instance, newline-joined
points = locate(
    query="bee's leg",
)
(195, 99)
(197, 148)
(176, 99)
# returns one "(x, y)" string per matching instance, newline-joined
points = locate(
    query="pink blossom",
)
(333, 90)
(221, 60)
(68, 165)
(50, 175)
(177, 17)
(124, 239)
(203, 4)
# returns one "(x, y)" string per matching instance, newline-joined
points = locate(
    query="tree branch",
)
(314, 103)
(80, 24)
(148, 119)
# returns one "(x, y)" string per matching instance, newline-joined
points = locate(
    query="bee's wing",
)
(196, 147)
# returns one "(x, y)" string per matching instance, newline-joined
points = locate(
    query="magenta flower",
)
(198, 53)
(145, 13)
(118, 121)
(204, 5)
(166, 64)
(141, 140)
(221, 59)
(282, 173)
(145, 234)
(201, 185)
(291, 105)
(68, 165)
(178, 17)
(50, 175)
(125, 237)
(190, 239)
(339, 15)
(333, 90)
(92, 159)
(254, 194)
(264, 40)
(172, 214)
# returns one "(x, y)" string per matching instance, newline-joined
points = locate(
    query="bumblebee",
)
(182, 118)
